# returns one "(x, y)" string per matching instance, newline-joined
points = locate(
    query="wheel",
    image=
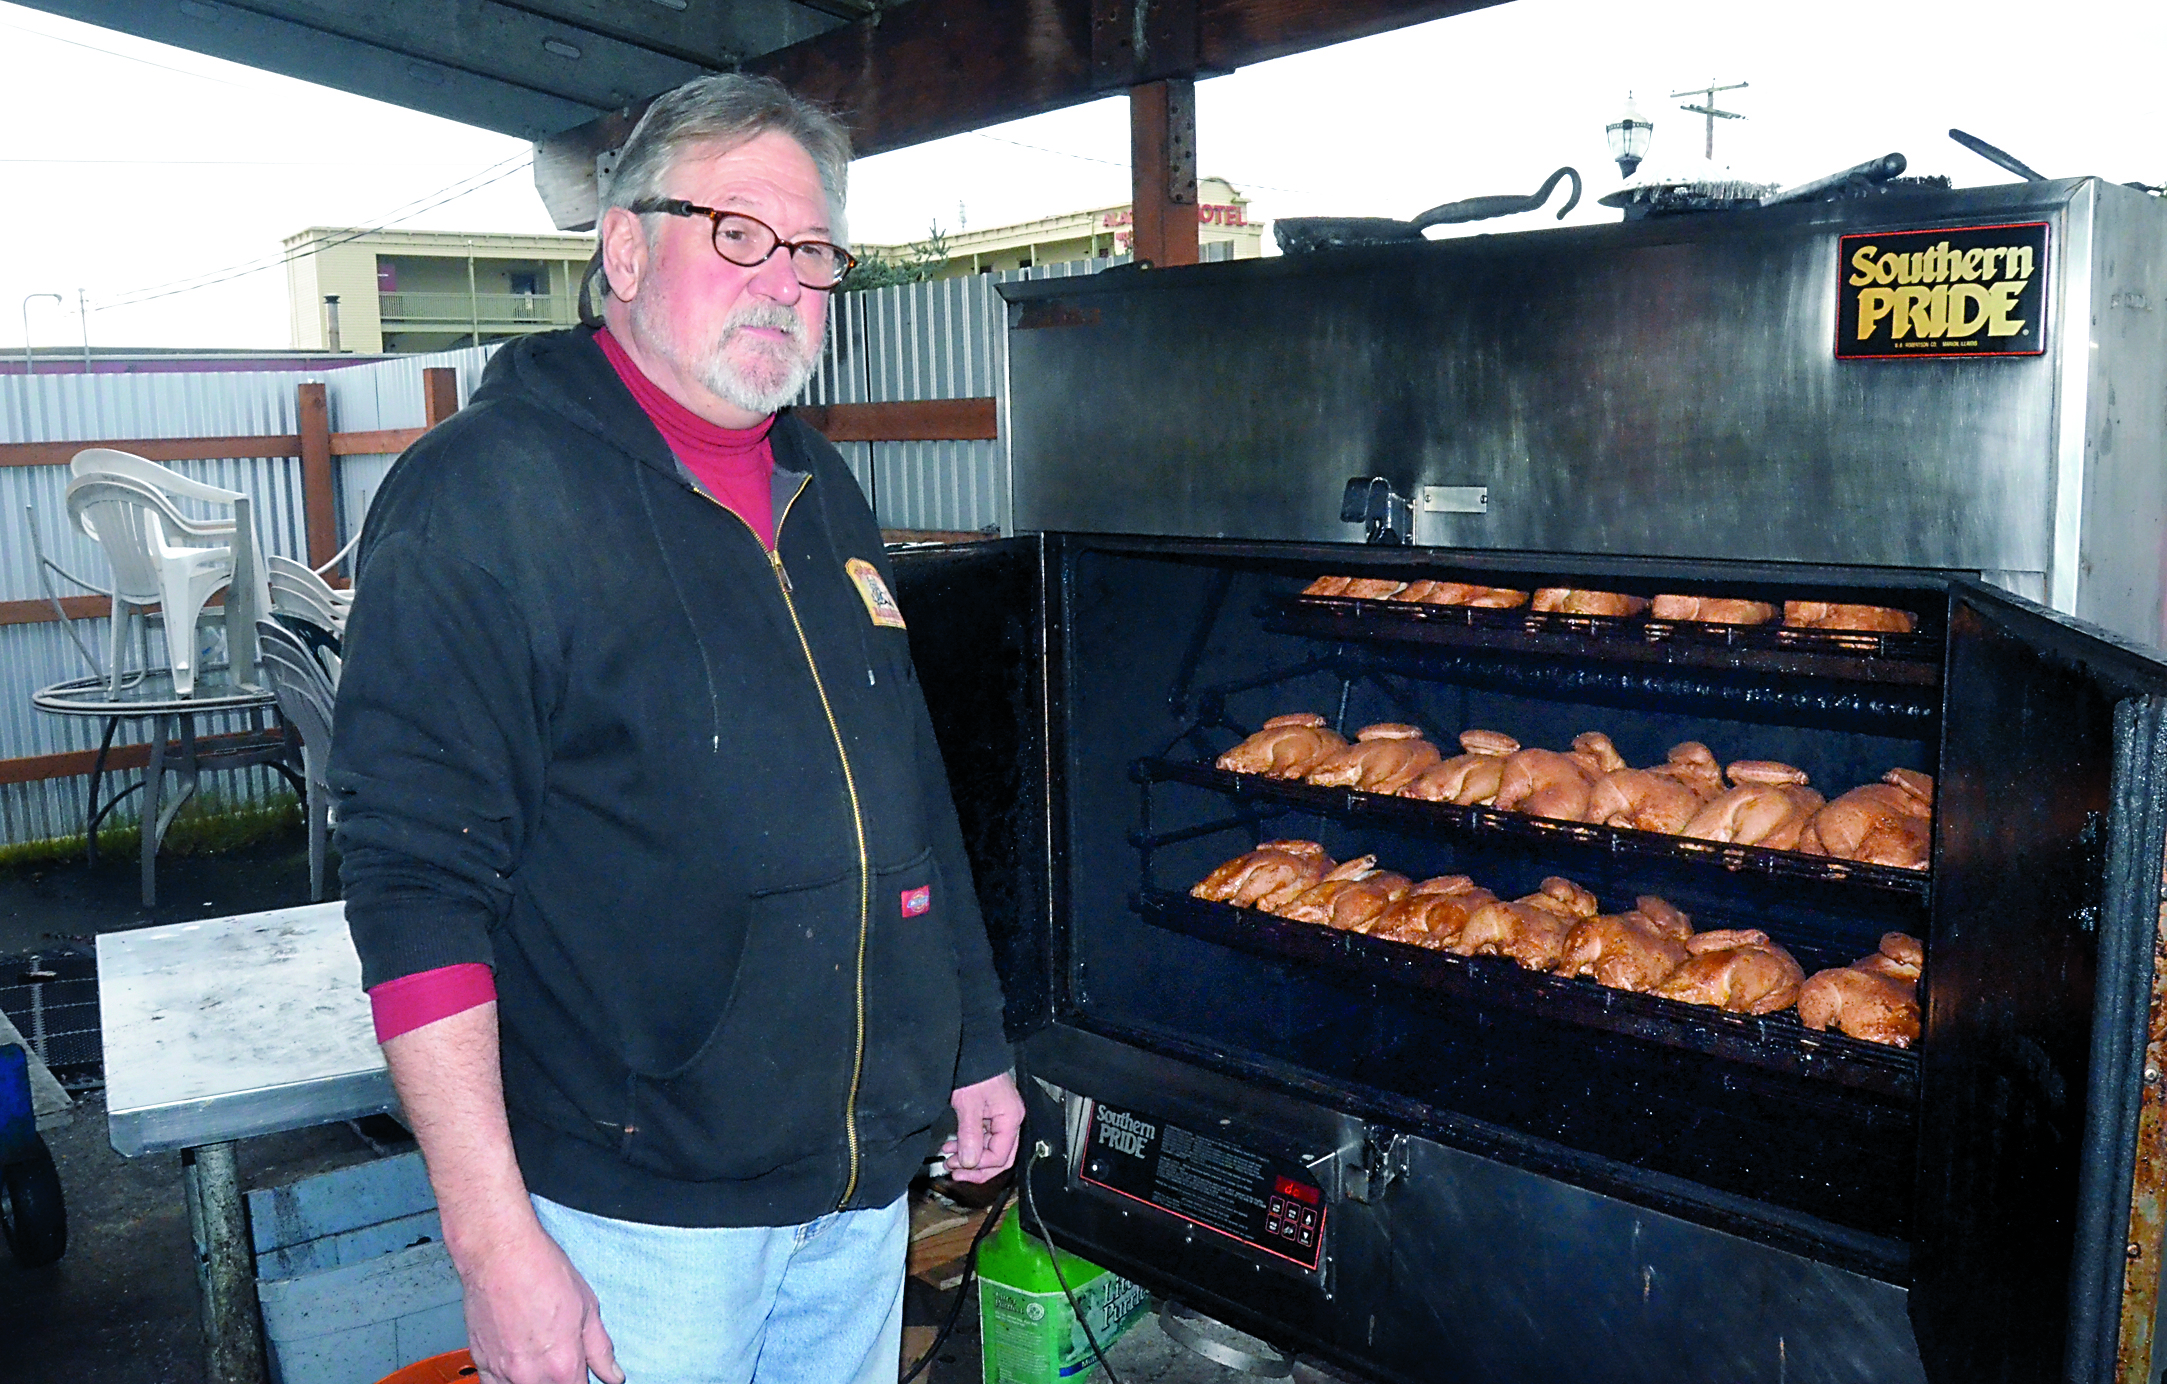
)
(32, 1215)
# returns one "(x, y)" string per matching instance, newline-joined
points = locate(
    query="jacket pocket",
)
(766, 1088)
(914, 1013)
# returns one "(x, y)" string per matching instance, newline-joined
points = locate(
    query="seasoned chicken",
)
(1418, 592)
(1628, 951)
(1737, 969)
(1594, 750)
(1287, 747)
(1862, 1004)
(1456, 593)
(1273, 869)
(1384, 759)
(1432, 913)
(1711, 610)
(1825, 615)
(1327, 586)
(1769, 807)
(1886, 823)
(1643, 799)
(1901, 959)
(1372, 588)
(1354, 893)
(1467, 778)
(1544, 783)
(1694, 765)
(1564, 600)
(1531, 930)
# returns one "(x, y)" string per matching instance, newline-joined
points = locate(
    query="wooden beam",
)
(74, 763)
(384, 441)
(439, 394)
(319, 511)
(41, 612)
(923, 420)
(153, 449)
(1162, 171)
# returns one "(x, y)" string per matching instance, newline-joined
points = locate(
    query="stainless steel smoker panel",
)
(1661, 387)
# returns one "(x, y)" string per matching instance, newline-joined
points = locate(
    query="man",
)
(647, 848)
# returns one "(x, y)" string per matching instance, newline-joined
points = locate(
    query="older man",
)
(648, 851)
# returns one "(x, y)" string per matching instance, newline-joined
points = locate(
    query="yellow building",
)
(1224, 231)
(401, 292)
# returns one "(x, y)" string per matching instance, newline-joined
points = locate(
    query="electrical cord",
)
(963, 1289)
(1053, 1257)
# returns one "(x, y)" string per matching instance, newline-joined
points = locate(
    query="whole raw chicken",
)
(1643, 799)
(1348, 896)
(1885, 823)
(1270, 875)
(1545, 783)
(1737, 969)
(1384, 759)
(1467, 778)
(1694, 765)
(1862, 1004)
(1711, 610)
(1431, 914)
(1455, 593)
(1628, 951)
(1565, 600)
(1287, 747)
(1828, 615)
(1532, 929)
(1770, 806)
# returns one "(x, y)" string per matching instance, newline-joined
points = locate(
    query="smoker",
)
(1427, 1167)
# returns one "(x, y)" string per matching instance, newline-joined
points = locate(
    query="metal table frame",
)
(223, 1030)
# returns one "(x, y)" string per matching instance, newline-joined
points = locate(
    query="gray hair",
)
(725, 110)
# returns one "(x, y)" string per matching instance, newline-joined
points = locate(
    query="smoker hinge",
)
(1384, 1158)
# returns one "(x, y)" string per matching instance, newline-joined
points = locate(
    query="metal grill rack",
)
(53, 1001)
(1352, 805)
(1774, 1042)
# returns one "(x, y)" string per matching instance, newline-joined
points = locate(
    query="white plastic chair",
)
(160, 556)
(296, 590)
(305, 691)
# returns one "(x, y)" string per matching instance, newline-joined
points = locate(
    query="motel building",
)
(1224, 231)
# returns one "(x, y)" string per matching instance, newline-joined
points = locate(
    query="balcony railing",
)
(496, 310)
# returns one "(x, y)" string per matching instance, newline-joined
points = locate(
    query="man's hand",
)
(531, 1319)
(988, 1116)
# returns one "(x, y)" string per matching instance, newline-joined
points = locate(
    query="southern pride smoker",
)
(1430, 1167)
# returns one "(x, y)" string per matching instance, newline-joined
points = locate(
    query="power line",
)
(209, 278)
(128, 57)
(1116, 163)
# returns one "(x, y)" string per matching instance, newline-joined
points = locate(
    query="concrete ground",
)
(120, 1307)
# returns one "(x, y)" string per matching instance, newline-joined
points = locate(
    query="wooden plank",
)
(154, 449)
(1162, 171)
(40, 612)
(384, 441)
(922, 420)
(74, 763)
(439, 394)
(319, 511)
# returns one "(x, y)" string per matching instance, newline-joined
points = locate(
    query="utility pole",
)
(82, 315)
(1709, 110)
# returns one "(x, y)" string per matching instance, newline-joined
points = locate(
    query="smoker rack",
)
(1772, 1042)
(1912, 660)
(1448, 820)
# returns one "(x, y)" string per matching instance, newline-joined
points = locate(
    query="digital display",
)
(1206, 1181)
(1288, 1187)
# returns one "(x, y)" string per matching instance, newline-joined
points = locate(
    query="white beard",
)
(770, 376)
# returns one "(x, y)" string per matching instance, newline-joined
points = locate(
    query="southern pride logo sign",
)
(1957, 291)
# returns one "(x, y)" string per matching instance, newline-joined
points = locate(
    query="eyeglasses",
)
(747, 242)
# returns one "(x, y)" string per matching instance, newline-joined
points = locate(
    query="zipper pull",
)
(775, 560)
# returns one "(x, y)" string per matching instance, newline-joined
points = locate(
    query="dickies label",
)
(917, 901)
(874, 592)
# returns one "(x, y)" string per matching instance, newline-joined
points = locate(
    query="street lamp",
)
(30, 362)
(1629, 136)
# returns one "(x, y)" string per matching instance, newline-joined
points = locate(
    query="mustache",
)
(770, 315)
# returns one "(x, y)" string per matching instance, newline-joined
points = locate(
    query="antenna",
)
(1709, 110)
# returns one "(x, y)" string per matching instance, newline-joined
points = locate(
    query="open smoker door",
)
(2051, 825)
(975, 612)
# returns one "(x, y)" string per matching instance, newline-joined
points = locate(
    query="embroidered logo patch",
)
(917, 901)
(874, 592)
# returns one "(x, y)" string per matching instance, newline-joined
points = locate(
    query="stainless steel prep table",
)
(222, 1030)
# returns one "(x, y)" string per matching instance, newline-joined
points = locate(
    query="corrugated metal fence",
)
(940, 340)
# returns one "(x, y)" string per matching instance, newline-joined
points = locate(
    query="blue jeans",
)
(819, 1303)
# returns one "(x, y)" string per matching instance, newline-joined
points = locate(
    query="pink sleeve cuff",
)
(403, 1005)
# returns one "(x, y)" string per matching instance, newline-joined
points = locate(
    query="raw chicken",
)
(1564, 600)
(1769, 807)
(1594, 750)
(1861, 1003)
(1694, 765)
(1901, 958)
(1826, 615)
(1886, 823)
(1468, 778)
(1432, 913)
(1628, 951)
(1287, 747)
(1544, 783)
(1274, 871)
(1643, 799)
(1531, 930)
(1737, 969)
(1354, 893)
(1384, 759)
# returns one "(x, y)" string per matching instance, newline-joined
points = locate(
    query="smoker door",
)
(975, 614)
(2047, 889)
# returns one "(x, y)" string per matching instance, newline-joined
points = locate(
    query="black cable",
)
(1053, 1257)
(963, 1288)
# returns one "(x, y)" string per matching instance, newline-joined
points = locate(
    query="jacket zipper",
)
(857, 821)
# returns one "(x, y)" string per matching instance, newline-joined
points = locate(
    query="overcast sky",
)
(134, 168)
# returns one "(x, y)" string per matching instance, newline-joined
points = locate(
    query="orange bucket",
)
(447, 1368)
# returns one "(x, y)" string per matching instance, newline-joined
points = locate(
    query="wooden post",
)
(319, 504)
(1162, 170)
(439, 394)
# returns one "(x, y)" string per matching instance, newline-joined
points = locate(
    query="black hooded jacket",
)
(683, 797)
